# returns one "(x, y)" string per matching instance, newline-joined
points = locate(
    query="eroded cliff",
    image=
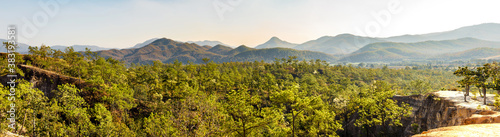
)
(444, 109)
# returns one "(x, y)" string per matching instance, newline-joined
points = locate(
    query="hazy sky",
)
(124, 23)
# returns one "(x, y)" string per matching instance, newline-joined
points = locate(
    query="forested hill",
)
(167, 51)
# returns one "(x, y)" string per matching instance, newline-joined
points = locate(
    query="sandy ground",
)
(474, 130)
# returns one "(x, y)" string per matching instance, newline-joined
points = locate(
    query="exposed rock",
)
(47, 81)
(445, 108)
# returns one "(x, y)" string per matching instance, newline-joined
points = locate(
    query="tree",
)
(205, 60)
(494, 70)
(299, 107)
(159, 125)
(105, 126)
(198, 114)
(375, 107)
(480, 79)
(466, 81)
(418, 87)
(74, 108)
(246, 114)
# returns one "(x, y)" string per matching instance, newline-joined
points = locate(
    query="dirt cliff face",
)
(47, 82)
(438, 112)
(444, 109)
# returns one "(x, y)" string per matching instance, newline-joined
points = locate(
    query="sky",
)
(124, 23)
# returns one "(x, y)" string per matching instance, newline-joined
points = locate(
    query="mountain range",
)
(348, 43)
(208, 43)
(486, 31)
(455, 44)
(352, 48)
(167, 51)
(340, 44)
(79, 47)
(396, 51)
(22, 48)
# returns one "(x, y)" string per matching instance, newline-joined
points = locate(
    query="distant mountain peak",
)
(345, 35)
(324, 38)
(276, 42)
(147, 42)
(209, 43)
(483, 25)
(220, 49)
(275, 38)
(163, 40)
(242, 47)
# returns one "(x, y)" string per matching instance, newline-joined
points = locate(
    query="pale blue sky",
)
(123, 23)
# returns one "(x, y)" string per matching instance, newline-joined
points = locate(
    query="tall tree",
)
(466, 81)
(246, 113)
(299, 107)
(375, 107)
(481, 78)
(159, 125)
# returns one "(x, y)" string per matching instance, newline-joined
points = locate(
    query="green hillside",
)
(239, 49)
(386, 54)
(220, 49)
(340, 44)
(477, 53)
(269, 55)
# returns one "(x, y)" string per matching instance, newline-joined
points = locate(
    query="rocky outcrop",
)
(439, 112)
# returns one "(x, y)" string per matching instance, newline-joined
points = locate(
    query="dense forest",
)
(286, 97)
